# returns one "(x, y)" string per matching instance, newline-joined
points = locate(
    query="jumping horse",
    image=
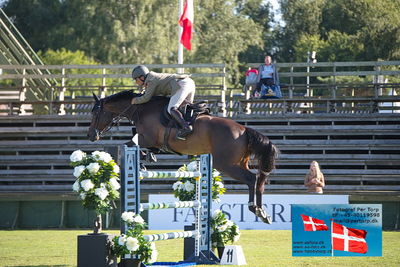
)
(231, 144)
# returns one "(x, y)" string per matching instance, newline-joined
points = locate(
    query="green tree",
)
(146, 32)
(222, 33)
(352, 29)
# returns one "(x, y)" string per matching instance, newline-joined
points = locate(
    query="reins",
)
(114, 120)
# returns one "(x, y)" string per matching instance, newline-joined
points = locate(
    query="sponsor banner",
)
(236, 209)
(337, 230)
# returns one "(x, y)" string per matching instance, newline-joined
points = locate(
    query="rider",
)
(180, 86)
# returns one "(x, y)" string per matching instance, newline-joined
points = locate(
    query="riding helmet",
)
(139, 71)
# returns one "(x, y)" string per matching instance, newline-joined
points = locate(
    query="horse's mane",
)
(129, 94)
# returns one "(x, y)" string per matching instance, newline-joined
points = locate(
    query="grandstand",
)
(356, 146)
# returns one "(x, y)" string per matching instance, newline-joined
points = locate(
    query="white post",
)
(308, 74)
(180, 46)
(331, 237)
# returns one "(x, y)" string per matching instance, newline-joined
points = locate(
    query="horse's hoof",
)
(262, 214)
(150, 157)
(142, 167)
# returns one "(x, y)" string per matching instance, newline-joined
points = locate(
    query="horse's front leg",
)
(146, 143)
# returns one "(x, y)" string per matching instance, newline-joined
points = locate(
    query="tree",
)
(353, 29)
(145, 32)
(222, 33)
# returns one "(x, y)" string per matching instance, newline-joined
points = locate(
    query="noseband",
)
(113, 122)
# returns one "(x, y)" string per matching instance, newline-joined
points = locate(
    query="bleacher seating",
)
(357, 154)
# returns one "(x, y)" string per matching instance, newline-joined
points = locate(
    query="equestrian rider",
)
(179, 86)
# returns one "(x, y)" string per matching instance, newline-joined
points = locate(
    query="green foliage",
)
(223, 231)
(231, 32)
(146, 32)
(133, 241)
(97, 180)
(185, 187)
(222, 34)
(349, 30)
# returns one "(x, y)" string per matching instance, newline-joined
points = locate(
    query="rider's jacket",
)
(163, 84)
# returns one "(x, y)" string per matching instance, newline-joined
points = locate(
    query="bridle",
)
(114, 120)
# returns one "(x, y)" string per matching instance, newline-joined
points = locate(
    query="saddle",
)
(190, 113)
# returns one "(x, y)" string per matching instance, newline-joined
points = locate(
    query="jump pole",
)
(130, 201)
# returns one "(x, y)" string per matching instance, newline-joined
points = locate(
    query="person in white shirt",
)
(267, 74)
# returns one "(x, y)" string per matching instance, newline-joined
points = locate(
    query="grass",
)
(46, 248)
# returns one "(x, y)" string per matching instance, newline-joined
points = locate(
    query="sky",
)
(275, 8)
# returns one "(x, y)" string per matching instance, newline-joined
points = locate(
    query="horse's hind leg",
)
(242, 174)
(260, 184)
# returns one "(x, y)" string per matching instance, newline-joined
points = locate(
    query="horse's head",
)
(102, 120)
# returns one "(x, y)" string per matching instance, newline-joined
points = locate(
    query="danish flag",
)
(348, 239)
(186, 22)
(313, 224)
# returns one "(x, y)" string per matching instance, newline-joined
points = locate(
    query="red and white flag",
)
(186, 22)
(313, 224)
(348, 239)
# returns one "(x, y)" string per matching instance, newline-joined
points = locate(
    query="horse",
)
(231, 144)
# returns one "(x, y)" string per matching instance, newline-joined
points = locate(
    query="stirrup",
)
(182, 133)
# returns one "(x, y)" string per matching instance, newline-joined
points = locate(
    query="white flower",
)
(177, 185)
(93, 167)
(122, 240)
(115, 184)
(154, 253)
(192, 166)
(229, 223)
(87, 184)
(104, 156)
(76, 186)
(127, 216)
(77, 155)
(78, 170)
(216, 213)
(216, 173)
(188, 186)
(132, 244)
(101, 192)
(82, 195)
(138, 219)
(219, 184)
(222, 228)
(116, 169)
(236, 237)
(217, 200)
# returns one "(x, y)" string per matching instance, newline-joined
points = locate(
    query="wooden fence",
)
(328, 95)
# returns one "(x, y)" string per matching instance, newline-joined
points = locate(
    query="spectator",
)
(267, 74)
(251, 81)
(314, 179)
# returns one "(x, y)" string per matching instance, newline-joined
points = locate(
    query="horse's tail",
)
(262, 148)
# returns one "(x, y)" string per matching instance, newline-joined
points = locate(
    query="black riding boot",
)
(185, 127)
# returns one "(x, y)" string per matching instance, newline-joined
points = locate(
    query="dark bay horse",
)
(230, 143)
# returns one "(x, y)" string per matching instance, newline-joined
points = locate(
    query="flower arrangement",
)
(97, 181)
(185, 188)
(133, 242)
(223, 231)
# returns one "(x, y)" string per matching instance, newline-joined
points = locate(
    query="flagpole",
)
(331, 237)
(180, 30)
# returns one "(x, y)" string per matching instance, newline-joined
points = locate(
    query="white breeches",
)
(186, 92)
